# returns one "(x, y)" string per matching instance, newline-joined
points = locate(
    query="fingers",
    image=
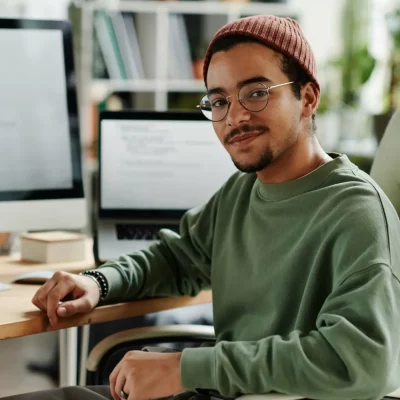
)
(40, 297)
(120, 383)
(130, 395)
(63, 286)
(55, 296)
(72, 307)
(48, 297)
(113, 380)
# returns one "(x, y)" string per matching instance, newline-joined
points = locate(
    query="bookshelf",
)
(161, 46)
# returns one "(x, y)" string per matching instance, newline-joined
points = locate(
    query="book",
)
(109, 45)
(179, 59)
(53, 247)
(135, 55)
(101, 26)
(123, 43)
(116, 46)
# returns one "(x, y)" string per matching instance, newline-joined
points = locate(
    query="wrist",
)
(100, 280)
(96, 287)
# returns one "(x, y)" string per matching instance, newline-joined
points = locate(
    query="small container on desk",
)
(53, 247)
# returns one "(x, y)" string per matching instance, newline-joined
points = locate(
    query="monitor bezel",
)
(76, 191)
(134, 213)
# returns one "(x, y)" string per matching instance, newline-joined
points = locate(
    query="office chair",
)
(106, 354)
(385, 168)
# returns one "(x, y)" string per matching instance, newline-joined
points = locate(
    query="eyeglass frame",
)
(241, 102)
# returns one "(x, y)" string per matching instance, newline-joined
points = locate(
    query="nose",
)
(237, 114)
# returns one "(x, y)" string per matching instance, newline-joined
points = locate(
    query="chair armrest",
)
(395, 394)
(149, 332)
(280, 396)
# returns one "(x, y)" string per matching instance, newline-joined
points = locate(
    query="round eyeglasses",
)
(252, 96)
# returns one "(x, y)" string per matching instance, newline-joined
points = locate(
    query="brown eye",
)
(219, 103)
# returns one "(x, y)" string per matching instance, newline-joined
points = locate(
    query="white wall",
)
(320, 21)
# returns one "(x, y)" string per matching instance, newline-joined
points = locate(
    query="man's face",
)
(254, 140)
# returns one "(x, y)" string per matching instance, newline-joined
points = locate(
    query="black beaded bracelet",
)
(100, 279)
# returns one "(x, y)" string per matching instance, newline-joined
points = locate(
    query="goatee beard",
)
(263, 162)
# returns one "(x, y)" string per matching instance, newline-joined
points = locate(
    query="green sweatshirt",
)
(305, 281)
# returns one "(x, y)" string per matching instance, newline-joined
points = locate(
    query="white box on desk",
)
(53, 247)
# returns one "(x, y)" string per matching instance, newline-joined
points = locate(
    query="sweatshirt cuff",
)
(114, 281)
(198, 368)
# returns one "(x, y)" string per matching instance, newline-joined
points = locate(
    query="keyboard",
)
(141, 232)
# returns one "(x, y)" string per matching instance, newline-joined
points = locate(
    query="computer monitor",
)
(157, 165)
(41, 186)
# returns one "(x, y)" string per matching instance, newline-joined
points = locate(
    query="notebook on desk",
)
(153, 167)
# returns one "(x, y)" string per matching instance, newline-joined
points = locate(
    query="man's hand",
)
(143, 375)
(77, 293)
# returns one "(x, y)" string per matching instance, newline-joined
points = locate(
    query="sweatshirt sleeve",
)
(361, 313)
(177, 265)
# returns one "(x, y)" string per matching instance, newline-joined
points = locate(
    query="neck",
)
(295, 162)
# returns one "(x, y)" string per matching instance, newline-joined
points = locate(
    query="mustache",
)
(243, 130)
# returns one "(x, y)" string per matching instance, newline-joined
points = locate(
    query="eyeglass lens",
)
(253, 97)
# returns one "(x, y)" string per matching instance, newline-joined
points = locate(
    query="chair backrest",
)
(386, 165)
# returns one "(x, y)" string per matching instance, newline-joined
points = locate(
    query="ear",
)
(310, 97)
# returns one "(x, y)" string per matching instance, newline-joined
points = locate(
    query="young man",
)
(301, 248)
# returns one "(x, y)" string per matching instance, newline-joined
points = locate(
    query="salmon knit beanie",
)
(281, 34)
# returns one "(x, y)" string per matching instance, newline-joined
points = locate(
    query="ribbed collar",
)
(286, 190)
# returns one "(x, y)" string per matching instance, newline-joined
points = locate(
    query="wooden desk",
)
(19, 317)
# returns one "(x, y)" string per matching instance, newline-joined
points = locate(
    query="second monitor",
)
(41, 185)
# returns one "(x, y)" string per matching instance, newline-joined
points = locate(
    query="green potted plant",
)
(356, 63)
(355, 66)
